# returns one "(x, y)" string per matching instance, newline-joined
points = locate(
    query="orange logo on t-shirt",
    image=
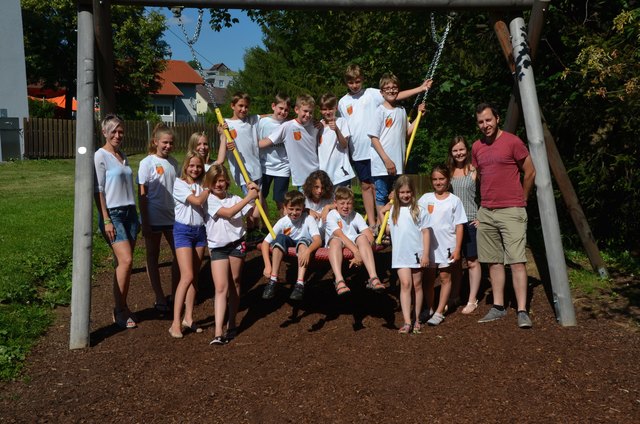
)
(349, 109)
(297, 135)
(430, 207)
(233, 133)
(159, 169)
(286, 231)
(388, 122)
(340, 224)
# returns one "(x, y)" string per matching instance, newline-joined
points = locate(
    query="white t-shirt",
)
(359, 109)
(222, 231)
(158, 175)
(185, 212)
(273, 159)
(301, 142)
(351, 226)
(318, 207)
(390, 126)
(406, 236)
(333, 158)
(245, 135)
(304, 227)
(114, 179)
(444, 215)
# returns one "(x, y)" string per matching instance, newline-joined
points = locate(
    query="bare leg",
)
(429, 291)
(416, 276)
(475, 274)
(367, 255)
(519, 275)
(175, 269)
(369, 201)
(405, 277)
(276, 261)
(235, 265)
(496, 272)
(302, 270)
(335, 258)
(152, 245)
(221, 275)
(123, 252)
(445, 290)
(185, 261)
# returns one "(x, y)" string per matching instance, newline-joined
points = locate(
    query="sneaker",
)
(269, 290)
(523, 320)
(493, 315)
(298, 292)
(436, 319)
(218, 341)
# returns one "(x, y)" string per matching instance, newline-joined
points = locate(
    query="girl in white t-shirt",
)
(409, 227)
(446, 219)
(225, 237)
(318, 192)
(199, 143)
(156, 176)
(190, 239)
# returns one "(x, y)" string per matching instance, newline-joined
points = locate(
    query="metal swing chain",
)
(440, 41)
(190, 43)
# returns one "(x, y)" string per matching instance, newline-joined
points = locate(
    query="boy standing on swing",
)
(358, 108)
(388, 132)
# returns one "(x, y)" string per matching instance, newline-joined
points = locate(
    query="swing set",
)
(95, 52)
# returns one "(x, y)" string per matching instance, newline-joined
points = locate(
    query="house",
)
(176, 99)
(204, 101)
(219, 75)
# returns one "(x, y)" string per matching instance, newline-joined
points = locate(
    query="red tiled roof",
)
(177, 71)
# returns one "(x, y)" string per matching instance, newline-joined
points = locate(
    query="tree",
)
(50, 54)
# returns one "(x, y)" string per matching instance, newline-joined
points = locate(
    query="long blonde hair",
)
(414, 209)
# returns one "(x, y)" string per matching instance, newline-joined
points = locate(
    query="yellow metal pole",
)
(383, 224)
(243, 170)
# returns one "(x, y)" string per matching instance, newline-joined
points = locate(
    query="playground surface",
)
(331, 360)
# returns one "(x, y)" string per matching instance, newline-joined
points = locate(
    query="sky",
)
(233, 41)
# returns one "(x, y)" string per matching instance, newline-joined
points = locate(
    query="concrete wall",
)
(13, 75)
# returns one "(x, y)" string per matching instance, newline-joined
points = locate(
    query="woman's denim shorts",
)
(125, 223)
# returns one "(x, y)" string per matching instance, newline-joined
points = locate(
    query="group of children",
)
(192, 208)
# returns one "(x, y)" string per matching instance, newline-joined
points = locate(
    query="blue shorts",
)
(384, 186)
(125, 223)
(469, 244)
(280, 187)
(244, 186)
(283, 242)
(363, 170)
(236, 249)
(189, 236)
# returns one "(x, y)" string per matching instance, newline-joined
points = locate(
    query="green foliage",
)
(51, 57)
(41, 109)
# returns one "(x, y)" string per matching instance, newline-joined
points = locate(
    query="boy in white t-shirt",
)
(388, 132)
(297, 228)
(273, 159)
(358, 108)
(333, 145)
(300, 138)
(346, 228)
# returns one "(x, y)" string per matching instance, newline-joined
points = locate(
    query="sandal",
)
(405, 329)
(341, 287)
(417, 327)
(123, 321)
(193, 327)
(375, 284)
(470, 308)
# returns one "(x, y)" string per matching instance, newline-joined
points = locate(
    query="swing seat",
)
(322, 254)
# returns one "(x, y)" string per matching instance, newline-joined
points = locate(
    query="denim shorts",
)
(236, 249)
(280, 187)
(189, 236)
(363, 170)
(283, 242)
(384, 185)
(125, 223)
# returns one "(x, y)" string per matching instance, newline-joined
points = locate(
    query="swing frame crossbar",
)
(95, 52)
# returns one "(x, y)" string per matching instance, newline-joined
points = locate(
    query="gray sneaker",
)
(493, 315)
(269, 290)
(523, 320)
(298, 292)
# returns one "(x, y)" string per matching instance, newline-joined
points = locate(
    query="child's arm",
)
(200, 199)
(426, 85)
(388, 163)
(304, 257)
(222, 149)
(421, 108)
(458, 248)
(424, 260)
(233, 210)
(325, 211)
(265, 142)
(341, 138)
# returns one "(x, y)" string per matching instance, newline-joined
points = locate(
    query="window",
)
(162, 110)
(221, 83)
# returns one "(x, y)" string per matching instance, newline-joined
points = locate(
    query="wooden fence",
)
(46, 138)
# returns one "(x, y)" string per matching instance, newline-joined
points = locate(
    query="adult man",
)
(500, 157)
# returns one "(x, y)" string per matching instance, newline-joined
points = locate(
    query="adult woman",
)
(118, 219)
